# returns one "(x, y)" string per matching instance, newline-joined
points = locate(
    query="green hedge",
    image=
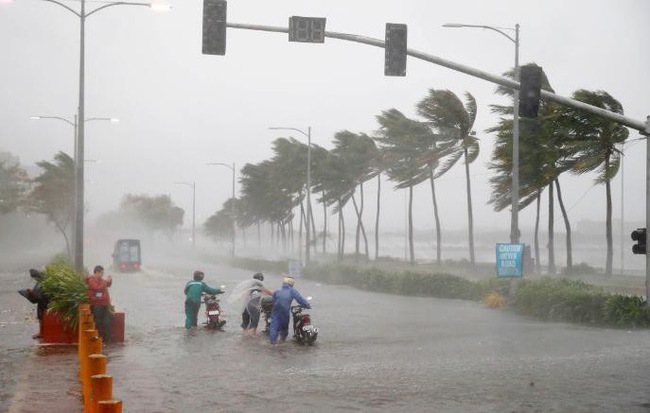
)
(556, 299)
(560, 299)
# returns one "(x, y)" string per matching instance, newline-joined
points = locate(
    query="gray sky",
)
(180, 109)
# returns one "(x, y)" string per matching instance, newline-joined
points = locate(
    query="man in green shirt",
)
(193, 291)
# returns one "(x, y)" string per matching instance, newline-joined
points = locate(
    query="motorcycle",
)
(213, 312)
(304, 332)
(266, 305)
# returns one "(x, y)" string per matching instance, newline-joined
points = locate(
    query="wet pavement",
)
(375, 352)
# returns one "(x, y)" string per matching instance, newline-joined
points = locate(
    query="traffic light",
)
(307, 29)
(639, 235)
(395, 50)
(214, 27)
(530, 80)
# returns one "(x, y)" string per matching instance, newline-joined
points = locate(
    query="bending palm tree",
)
(453, 121)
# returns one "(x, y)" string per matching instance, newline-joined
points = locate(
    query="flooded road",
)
(374, 352)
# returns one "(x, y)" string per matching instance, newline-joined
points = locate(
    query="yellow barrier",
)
(102, 390)
(97, 386)
(110, 406)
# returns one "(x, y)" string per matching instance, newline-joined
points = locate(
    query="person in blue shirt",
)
(282, 299)
(193, 291)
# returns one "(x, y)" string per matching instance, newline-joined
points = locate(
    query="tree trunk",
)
(551, 223)
(300, 226)
(437, 218)
(377, 217)
(470, 215)
(567, 225)
(410, 218)
(538, 268)
(360, 228)
(67, 242)
(324, 225)
(608, 220)
(341, 253)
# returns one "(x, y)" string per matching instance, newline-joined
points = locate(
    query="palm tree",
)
(53, 192)
(336, 188)
(453, 121)
(13, 183)
(412, 155)
(541, 162)
(357, 154)
(592, 142)
(262, 197)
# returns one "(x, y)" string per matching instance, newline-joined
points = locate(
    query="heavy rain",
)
(294, 150)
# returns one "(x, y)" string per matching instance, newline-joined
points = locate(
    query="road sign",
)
(509, 260)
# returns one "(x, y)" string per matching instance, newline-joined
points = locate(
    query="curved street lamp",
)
(74, 124)
(308, 220)
(514, 221)
(82, 14)
(232, 204)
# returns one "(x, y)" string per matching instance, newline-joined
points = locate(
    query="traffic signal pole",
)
(646, 132)
(499, 80)
(641, 126)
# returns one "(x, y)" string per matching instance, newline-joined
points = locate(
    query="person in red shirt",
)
(100, 301)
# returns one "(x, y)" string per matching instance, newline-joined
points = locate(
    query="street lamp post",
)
(76, 211)
(232, 203)
(514, 221)
(308, 220)
(193, 186)
(82, 14)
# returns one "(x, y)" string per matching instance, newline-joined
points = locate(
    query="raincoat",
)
(193, 291)
(248, 293)
(282, 299)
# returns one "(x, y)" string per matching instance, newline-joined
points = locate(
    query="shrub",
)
(623, 310)
(65, 289)
(253, 264)
(560, 299)
(501, 286)
(557, 299)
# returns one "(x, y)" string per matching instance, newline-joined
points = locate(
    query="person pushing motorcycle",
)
(193, 291)
(282, 299)
(251, 313)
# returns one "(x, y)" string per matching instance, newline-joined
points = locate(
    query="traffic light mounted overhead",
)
(639, 235)
(307, 29)
(395, 50)
(214, 27)
(530, 80)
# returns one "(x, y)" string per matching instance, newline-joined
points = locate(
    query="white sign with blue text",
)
(510, 260)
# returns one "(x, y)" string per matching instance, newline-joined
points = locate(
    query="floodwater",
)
(375, 352)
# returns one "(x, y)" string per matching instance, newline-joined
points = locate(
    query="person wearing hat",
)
(251, 314)
(282, 299)
(193, 291)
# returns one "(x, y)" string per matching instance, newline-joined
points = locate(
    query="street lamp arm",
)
(293, 129)
(71, 10)
(222, 164)
(119, 3)
(54, 117)
(114, 120)
(479, 26)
